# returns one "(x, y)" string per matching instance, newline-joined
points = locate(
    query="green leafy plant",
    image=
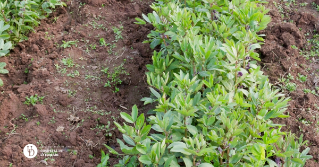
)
(302, 78)
(118, 33)
(102, 42)
(213, 104)
(291, 86)
(34, 99)
(104, 159)
(68, 62)
(114, 76)
(68, 44)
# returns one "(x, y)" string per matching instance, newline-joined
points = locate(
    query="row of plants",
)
(213, 104)
(17, 18)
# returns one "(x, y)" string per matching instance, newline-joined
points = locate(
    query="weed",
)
(291, 86)
(118, 33)
(93, 46)
(114, 76)
(24, 118)
(68, 62)
(52, 121)
(105, 128)
(69, 44)
(294, 47)
(289, 76)
(302, 78)
(105, 70)
(306, 90)
(102, 42)
(74, 74)
(33, 100)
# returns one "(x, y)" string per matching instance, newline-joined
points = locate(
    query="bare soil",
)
(35, 68)
(294, 25)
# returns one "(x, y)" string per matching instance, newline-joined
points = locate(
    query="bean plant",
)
(214, 106)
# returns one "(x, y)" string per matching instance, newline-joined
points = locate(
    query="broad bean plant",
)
(214, 106)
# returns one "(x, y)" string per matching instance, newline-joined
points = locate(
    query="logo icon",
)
(30, 151)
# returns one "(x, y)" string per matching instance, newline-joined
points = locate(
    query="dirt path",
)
(85, 85)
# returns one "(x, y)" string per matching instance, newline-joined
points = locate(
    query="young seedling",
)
(69, 44)
(33, 100)
(302, 78)
(68, 62)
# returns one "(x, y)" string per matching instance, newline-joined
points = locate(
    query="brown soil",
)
(33, 70)
(280, 59)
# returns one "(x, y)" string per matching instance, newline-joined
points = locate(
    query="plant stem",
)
(227, 157)
(185, 126)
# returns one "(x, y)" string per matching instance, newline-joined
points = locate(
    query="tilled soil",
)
(293, 26)
(77, 112)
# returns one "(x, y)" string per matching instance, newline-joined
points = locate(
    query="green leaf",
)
(235, 158)
(157, 128)
(155, 42)
(192, 129)
(140, 21)
(120, 127)
(111, 150)
(204, 73)
(254, 46)
(2, 64)
(1, 82)
(104, 160)
(128, 140)
(145, 159)
(134, 113)
(4, 71)
(127, 117)
(146, 18)
(205, 165)
(187, 162)
(140, 122)
(146, 130)
(298, 161)
(170, 161)
(141, 148)
(155, 93)
(147, 100)
(179, 147)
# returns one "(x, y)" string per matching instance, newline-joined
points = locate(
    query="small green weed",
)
(118, 33)
(68, 62)
(114, 76)
(302, 78)
(33, 100)
(69, 44)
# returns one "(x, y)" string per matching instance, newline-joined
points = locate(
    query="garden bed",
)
(66, 61)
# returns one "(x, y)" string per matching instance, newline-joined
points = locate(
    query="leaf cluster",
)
(213, 104)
